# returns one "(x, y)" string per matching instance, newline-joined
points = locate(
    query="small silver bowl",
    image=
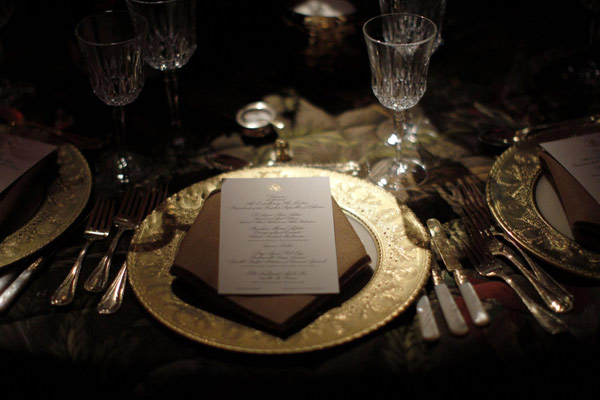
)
(258, 119)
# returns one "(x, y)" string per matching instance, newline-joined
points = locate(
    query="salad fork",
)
(486, 264)
(97, 228)
(113, 298)
(554, 295)
(126, 219)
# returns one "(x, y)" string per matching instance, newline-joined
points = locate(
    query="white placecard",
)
(277, 237)
(18, 155)
(580, 156)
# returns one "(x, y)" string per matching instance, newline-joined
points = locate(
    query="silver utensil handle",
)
(454, 319)
(427, 325)
(478, 314)
(97, 280)
(554, 295)
(66, 291)
(15, 288)
(546, 319)
(113, 298)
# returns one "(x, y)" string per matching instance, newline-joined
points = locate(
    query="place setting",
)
(46, 184)
(275, 258)
(541, 191)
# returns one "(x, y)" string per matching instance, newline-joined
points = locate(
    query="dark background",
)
(245, 51)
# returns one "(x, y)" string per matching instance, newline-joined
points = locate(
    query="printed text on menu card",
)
(581, 157)
(277, 237)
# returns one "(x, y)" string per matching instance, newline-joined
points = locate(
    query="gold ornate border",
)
(510, 193)
(66, 197)
(402, 270)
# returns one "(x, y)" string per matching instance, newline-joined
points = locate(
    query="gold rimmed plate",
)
(64, 200)
(526, 206)
(392, 234)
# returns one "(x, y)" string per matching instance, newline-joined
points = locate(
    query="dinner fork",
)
(97, 228)
(486, 264)
(554, 295)
(126, 219)
(113, 298)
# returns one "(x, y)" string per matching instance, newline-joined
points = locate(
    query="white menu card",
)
(277, 237)
(580, 156)
(17, 155)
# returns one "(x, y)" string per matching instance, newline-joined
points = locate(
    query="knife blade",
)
(442, 249)
(454, 319)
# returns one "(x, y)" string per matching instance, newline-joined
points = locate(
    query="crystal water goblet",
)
(430, 9)
(112, 47)
(435, 11)
(399, 47)
(171, 44)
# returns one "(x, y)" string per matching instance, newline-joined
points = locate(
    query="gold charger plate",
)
(65, 199)
(511, 196)
(402, 268)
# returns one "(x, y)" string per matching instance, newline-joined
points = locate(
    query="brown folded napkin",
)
(583, 212)
(21, 200)
(197, 262)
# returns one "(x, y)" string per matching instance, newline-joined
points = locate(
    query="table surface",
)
(515, 59)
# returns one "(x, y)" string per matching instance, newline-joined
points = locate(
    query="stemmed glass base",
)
(405, 170)
(114, 169)
(121, 166)
(397, 174)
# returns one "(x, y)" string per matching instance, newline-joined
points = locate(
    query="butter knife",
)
(454, 319)
(427, 325)
(442, 249)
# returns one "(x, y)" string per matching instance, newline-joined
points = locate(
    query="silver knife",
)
(442, 248)
(454, 319)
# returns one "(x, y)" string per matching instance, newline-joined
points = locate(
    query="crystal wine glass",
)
(431, 9)
(171, 43)
(399, 48)
(112, 47)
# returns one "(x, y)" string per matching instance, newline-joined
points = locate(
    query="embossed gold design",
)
(65, 199)
(510, 195)
(401, 271)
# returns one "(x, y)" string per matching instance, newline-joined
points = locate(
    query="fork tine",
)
(474, 200)
(103, 220)
(128, 202)
(95, 214)
(142, 205)
(473, 257)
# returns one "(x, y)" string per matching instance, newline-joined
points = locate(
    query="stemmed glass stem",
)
(173, 96)
(399, 117)
(118, 114)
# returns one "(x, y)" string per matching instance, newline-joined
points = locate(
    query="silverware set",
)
(487, 248)
(135, 205)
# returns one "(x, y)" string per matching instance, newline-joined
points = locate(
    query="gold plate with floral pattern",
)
(511, 196)
(65, 199)
(401, 270)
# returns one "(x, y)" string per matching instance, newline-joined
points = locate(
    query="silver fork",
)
(125, 220)
(486, 264)
(113, 298)
(554, 295)
(97, 228)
